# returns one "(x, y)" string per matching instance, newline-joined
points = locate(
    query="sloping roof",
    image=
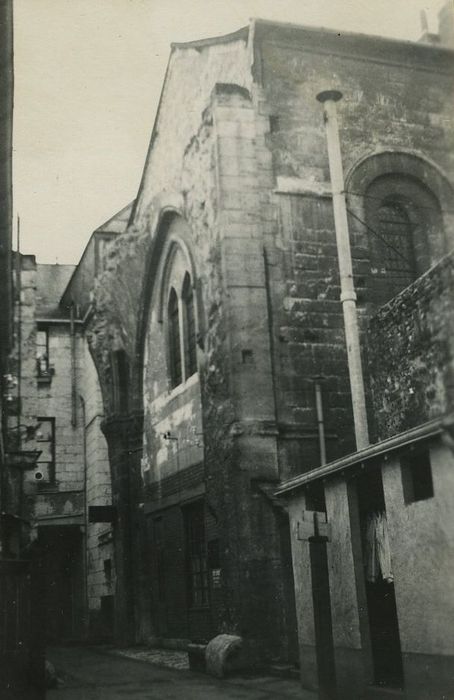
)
(210, 41)
(51, 281)
(80, 282)
(318, 39)
(436, 426)
(279, 27)
(118, 222)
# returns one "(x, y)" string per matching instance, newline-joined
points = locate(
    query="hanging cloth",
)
(371, 550)
(378, 552)
(383, 548)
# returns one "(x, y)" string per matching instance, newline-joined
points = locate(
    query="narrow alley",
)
(226, 350)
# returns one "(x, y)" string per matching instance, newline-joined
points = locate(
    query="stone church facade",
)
(221, 304)
(211, 310)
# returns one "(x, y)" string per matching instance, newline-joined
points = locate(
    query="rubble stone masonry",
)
(411, 353)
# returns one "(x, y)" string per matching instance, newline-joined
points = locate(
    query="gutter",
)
(72, 331)
(402, 440)
(67, 321)
(322, 34)
(85, 513)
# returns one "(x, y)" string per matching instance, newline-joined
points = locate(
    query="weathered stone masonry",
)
(241, 185)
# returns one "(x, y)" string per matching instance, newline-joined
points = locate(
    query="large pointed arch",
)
(171, 237)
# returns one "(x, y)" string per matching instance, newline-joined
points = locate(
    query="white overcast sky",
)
(88, 75)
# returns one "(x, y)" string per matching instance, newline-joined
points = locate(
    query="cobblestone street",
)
(93, 674)
(166, 658)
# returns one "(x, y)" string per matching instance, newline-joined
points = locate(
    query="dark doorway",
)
(62, 551)
(159, 577)
(322, 619)
(197, 572)
(381, 598)
(21, 639)
(289, 589)
(106, 618)
(184, 572)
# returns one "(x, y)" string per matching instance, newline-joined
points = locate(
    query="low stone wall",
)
(411, 352)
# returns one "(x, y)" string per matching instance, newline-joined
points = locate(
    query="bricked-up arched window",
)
(173, 315)
(190, 347)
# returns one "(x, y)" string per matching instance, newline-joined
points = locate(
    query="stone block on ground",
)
(226, 654)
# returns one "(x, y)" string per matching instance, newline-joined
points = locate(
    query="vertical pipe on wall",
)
(19, 364)
(348, 296)
(73, 368)
(320, 422)
(19, 334)
(86, 625)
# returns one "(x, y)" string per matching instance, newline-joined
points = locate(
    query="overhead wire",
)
(379, 236)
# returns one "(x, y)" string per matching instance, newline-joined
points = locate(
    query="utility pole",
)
(19, 332)
(348, 296)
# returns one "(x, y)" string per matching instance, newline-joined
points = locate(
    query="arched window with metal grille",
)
(173, 317)
(190, 340)
(405, 231)
(396, 241)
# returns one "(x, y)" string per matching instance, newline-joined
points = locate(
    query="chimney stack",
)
(446, 25)
(424, 22)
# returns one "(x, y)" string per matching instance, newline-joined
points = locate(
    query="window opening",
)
(190, 330)
(121, 381)
(274, 123)
(45, 437)
(395, 229)
(315, 497)
(247, 357)
(197, 556)
(160, 557)
(417, 476)
(42, 353)
(107, 564)
(174, 340)
(379, 581)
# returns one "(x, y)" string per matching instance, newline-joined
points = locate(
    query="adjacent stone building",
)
(55, 410)
(21, 661)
